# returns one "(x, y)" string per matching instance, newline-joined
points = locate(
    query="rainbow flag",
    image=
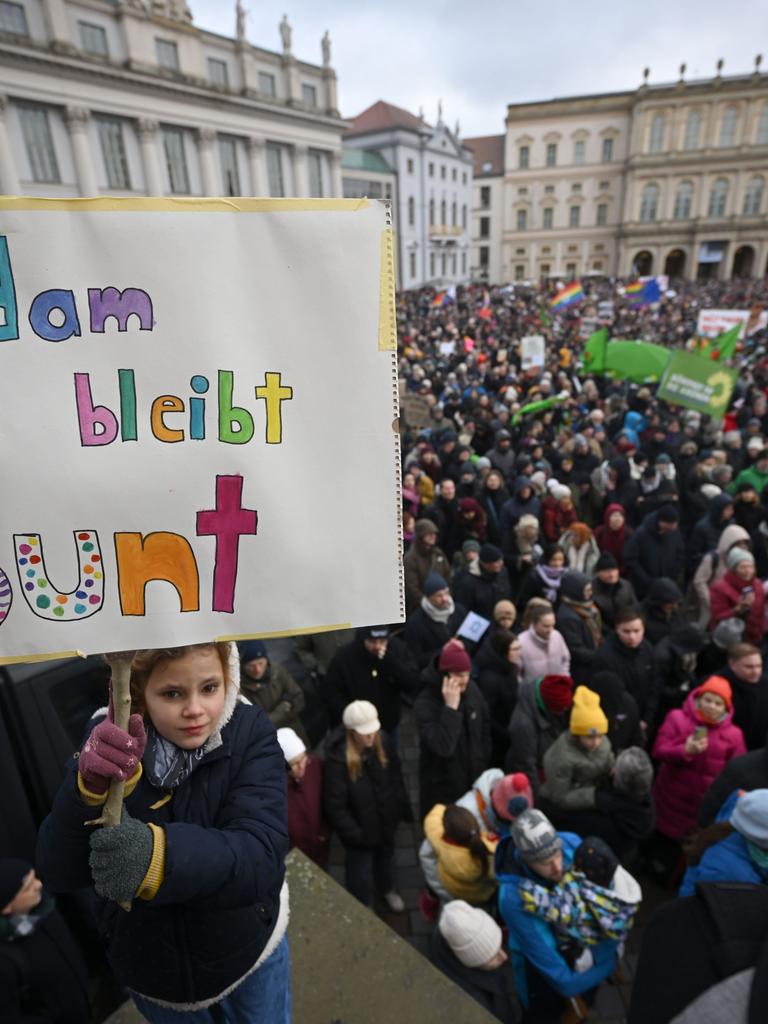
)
(439, 300)
(643, 293)
(572, 292)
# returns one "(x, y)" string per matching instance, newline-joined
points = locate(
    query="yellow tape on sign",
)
(160, 204)
(57, 655)
(387, 314)
(279, 634)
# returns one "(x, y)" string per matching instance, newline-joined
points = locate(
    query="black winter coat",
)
(424, 637)
(498, 681)
(354, 674)
(580, 642)
(226, 840)
(750, 707)
(494, 990)
(611, 598)
(649, 554)
(455, 746)
(364, 813)
(748, 772)
(479, 594)
(633, 820)
(635, 668)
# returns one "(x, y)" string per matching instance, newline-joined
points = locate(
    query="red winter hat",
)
(511, 796)
(719, 686)
(453, 658)
(557, 693)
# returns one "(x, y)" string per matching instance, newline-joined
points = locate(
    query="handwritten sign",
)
(178, 382)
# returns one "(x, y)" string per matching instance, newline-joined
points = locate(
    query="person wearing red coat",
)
(739, 595)
(558, 512)
(307, 827)
(693, 745)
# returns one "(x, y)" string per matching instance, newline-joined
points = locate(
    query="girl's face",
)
(615, 521)
(513, 652)
(299, 766)
(408, 481)
(590, 743)
(364, 740)
(184, 697)
(711, 706)
(745, 570)
(556, 560)
(543, 628)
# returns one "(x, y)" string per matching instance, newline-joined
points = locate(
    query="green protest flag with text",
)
(697, 383)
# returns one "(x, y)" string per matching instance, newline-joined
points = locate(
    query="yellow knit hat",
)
(587, 718)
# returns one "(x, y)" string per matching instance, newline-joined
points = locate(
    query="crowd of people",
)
(582, 655)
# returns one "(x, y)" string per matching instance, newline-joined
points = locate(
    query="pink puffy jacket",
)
(683, 779)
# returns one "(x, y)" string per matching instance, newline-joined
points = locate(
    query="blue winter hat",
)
(252, 649)
(750, 817)
(433, 583)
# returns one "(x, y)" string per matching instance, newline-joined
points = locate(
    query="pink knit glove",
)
(111, 753)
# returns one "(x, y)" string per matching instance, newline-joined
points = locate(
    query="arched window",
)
(692, 130)
(649, 202)
(656, 144)
(728, 127)
(683, 201)
(753, 196)
(762, 127)
(718, 198)
(411, 211)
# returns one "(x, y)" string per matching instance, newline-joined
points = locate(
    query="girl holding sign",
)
(200, 847)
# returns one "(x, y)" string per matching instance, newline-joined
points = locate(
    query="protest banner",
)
(415, 410)
(195, 394)
(697, 383)
(532, 351)
(713, 322)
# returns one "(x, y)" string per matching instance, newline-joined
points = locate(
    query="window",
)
(656, 141)
(411, 212)
(218, 73)
(315, 161)
(683, 201)
(597, 265)
(453, 263)
(519, 252)
(453, 174)
(431, 264)
(607, 150)
(570, 270)
(753, 197)
(484, 257)
(267, 84)
(576, 186)
(443, 264)
(523, 157)
(604, 186)
(551, 154)
(545, 269)
(549, 190)
(464, 217)
(547, 218)
(649, 202)
(464, 261)
(546, 250)
(431, 170)
(602, 215)
(230, 174)
(176, 160)
(454, 215)
(13, 19)
(412, 264)
(485, 196)
(485, 227)
(579, 150)
(574, 217)
(464, 182)
(442, 171)
(275, 174)
(692, 130)
(309, 95)
(728, 127)
(409, 167)
(522, 220)
(443, 212)
(762, 127)
(718, 198)
(113, 152)
(39, 144)
(522, 191)
(600, 247)
(93, 39)
(519, 272)
(167, 54)
(432, 212)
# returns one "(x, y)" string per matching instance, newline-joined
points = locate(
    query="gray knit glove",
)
(120, 858)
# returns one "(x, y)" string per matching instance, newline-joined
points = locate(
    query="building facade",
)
(487, 207)
(130, 98)
(664, 179)
(367, 174)
(434, 192)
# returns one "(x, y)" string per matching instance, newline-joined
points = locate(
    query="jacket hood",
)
(621, 466)
(662, 591)
(521, 483)
(614, 507)
(716, 506)
(626, 888)
(731, 535)
(573, 584)
(689, 707)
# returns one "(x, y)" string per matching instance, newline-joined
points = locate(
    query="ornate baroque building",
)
(665, 179)
(129, 97)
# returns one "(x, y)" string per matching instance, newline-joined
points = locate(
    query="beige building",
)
(665, 179)
(129, 97)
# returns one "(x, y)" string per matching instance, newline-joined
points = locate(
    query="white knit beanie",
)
(290, 743)
(473, 935)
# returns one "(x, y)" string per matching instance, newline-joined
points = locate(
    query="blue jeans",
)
(263, 998)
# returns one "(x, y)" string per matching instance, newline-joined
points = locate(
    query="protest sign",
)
(712, 322)
(416, 410)
(532, 351)
(196, 399)
(697, 383)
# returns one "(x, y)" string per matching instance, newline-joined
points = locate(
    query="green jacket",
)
(750, 476)
(571, 772)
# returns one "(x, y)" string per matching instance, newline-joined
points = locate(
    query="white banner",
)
(713, 322)
(532, 351)
(196, 422)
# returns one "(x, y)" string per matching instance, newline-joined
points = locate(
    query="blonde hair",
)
(145, 661)
(355, 761)
(536, 608)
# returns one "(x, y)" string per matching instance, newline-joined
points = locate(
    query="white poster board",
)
(532, 351)
(713, 322)
(196, 422)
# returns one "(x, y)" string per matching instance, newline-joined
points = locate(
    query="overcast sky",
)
(481, 55)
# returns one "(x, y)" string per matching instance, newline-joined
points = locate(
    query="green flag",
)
(724, 346)
(636, 360)
(545, 403)
(593, 357)
(697, 383)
